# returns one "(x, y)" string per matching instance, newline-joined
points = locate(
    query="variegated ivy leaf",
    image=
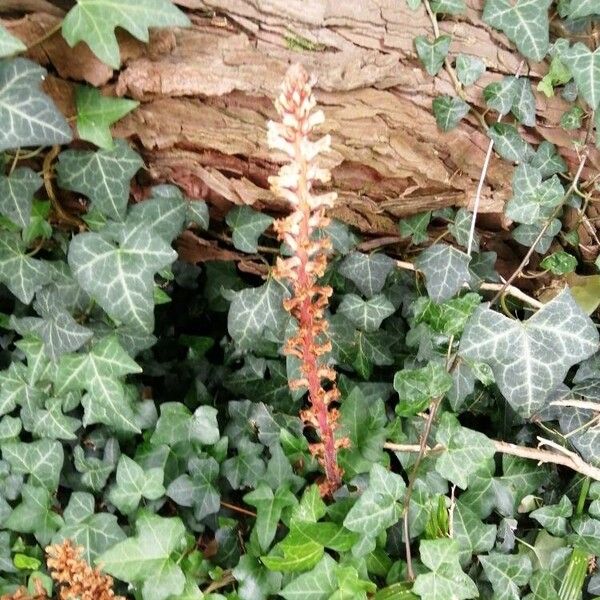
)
(379, 505)
(366, 314)
(29, 117)
(585, 68)
(469, 68)
(547, 160)
(418, 387)
(554, 517)
(523, 107)
(103, 176)
(578, 9)
(247, 226)
(466, 451)
(529, 359)
(96, 113)
(165, 212)
(461, 229)
(118, 273)
(432, 54)
(368, 272)
(317, 584)
(528, 234)
(94, 22)
(16, 195)
(506, 573)
(256, 311)
(415, 227)
(533, 201)
(22, 274)
(525, 23)
(445, 578)
(98, 372)
(94, 532)
(449, 111)
(500, 95)
(42, 460)
(9, 44)
(472, 535)
(446, 270)
(508, 143)
(450, 7)
(574, 422)
(572, 118)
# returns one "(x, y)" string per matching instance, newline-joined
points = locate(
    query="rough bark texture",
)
(207, 91)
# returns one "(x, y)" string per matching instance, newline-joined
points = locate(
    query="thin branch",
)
(226, 580)
(583, 404)
(563, 457)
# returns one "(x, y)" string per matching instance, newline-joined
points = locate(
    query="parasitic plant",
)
(308, 259)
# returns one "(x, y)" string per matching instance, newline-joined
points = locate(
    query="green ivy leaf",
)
(508, 143)
(134, 483)
(367, 271)
(585, 68)
(95, 471)
(465, 451)
(378, 507)
(432, 54)
(255, 582)
(500, 95)
(557, 75)
(547, 160)
(165, 212)
(418, 387)
(29, 116)
(317, 584)
(581, 8)
(523, 107)
(449, 111)
(247, 226)
(96, 113)
(553, 518)
(16, 195)
(119, 274)
(42, 460)
(94, 21)
(52, 423)
(469, 68)
(461, 229)
(366, 314)
(103, 176)
(586, 535)
(472, 535)
(147, 559)
(178, 424)
(571, 119)
(449, 317)
(446, 270)
(450, 7)
(246, 468)
(506, 572)
(446, 579)
(529, 359)
(415, 227)
(559, 263)
(525, 23)
(9, 44)
(528, 234)
(22, 274)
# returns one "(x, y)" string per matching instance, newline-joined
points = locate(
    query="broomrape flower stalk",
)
(308, 261)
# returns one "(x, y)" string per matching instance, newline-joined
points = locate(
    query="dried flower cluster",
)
(308, 261)
(22, 593)
(75, 578)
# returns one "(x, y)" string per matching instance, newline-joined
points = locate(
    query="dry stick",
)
(511, 290)
(564, 457)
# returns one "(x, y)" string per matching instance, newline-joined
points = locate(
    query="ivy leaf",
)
(446, 270)
(247, 226)
(246, 468)
(557, 75)
(450, 7)
(525, 23)
(16, 195)
(461, 229)
(256, 311)
(103, 176)
(98, 372)
(366, 314)
(9, 44)
(30, 117)
(255, 582)
(547, 160)
(465, 451)
(22, 274)
(378, 507)
(133, 484)
(586, 535)
(94, 21)
(554, 517)
(572, 118)
(529, 359)
(472, 535)
(198, 489)
(446, 579)
(119, 275)
(415, 227)
(147, 557)
(42, 460)
(35, 514)
(317, 584)
(506, 572)
(367, 271)
(523, 107)
(165, 212)
(559, 263)
(448, 318)
(95, 532)
(582, 8)
(500, 95)
(585, 439)
(95, 471)
(508, 143)
(432, 54)
(96, 113)
(52, 423)
(449, 111)
(469, 68)
(417, 387)
(585, 68)
(528, 234)
(269, 507)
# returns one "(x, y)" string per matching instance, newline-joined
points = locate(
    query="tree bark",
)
(206, 93)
